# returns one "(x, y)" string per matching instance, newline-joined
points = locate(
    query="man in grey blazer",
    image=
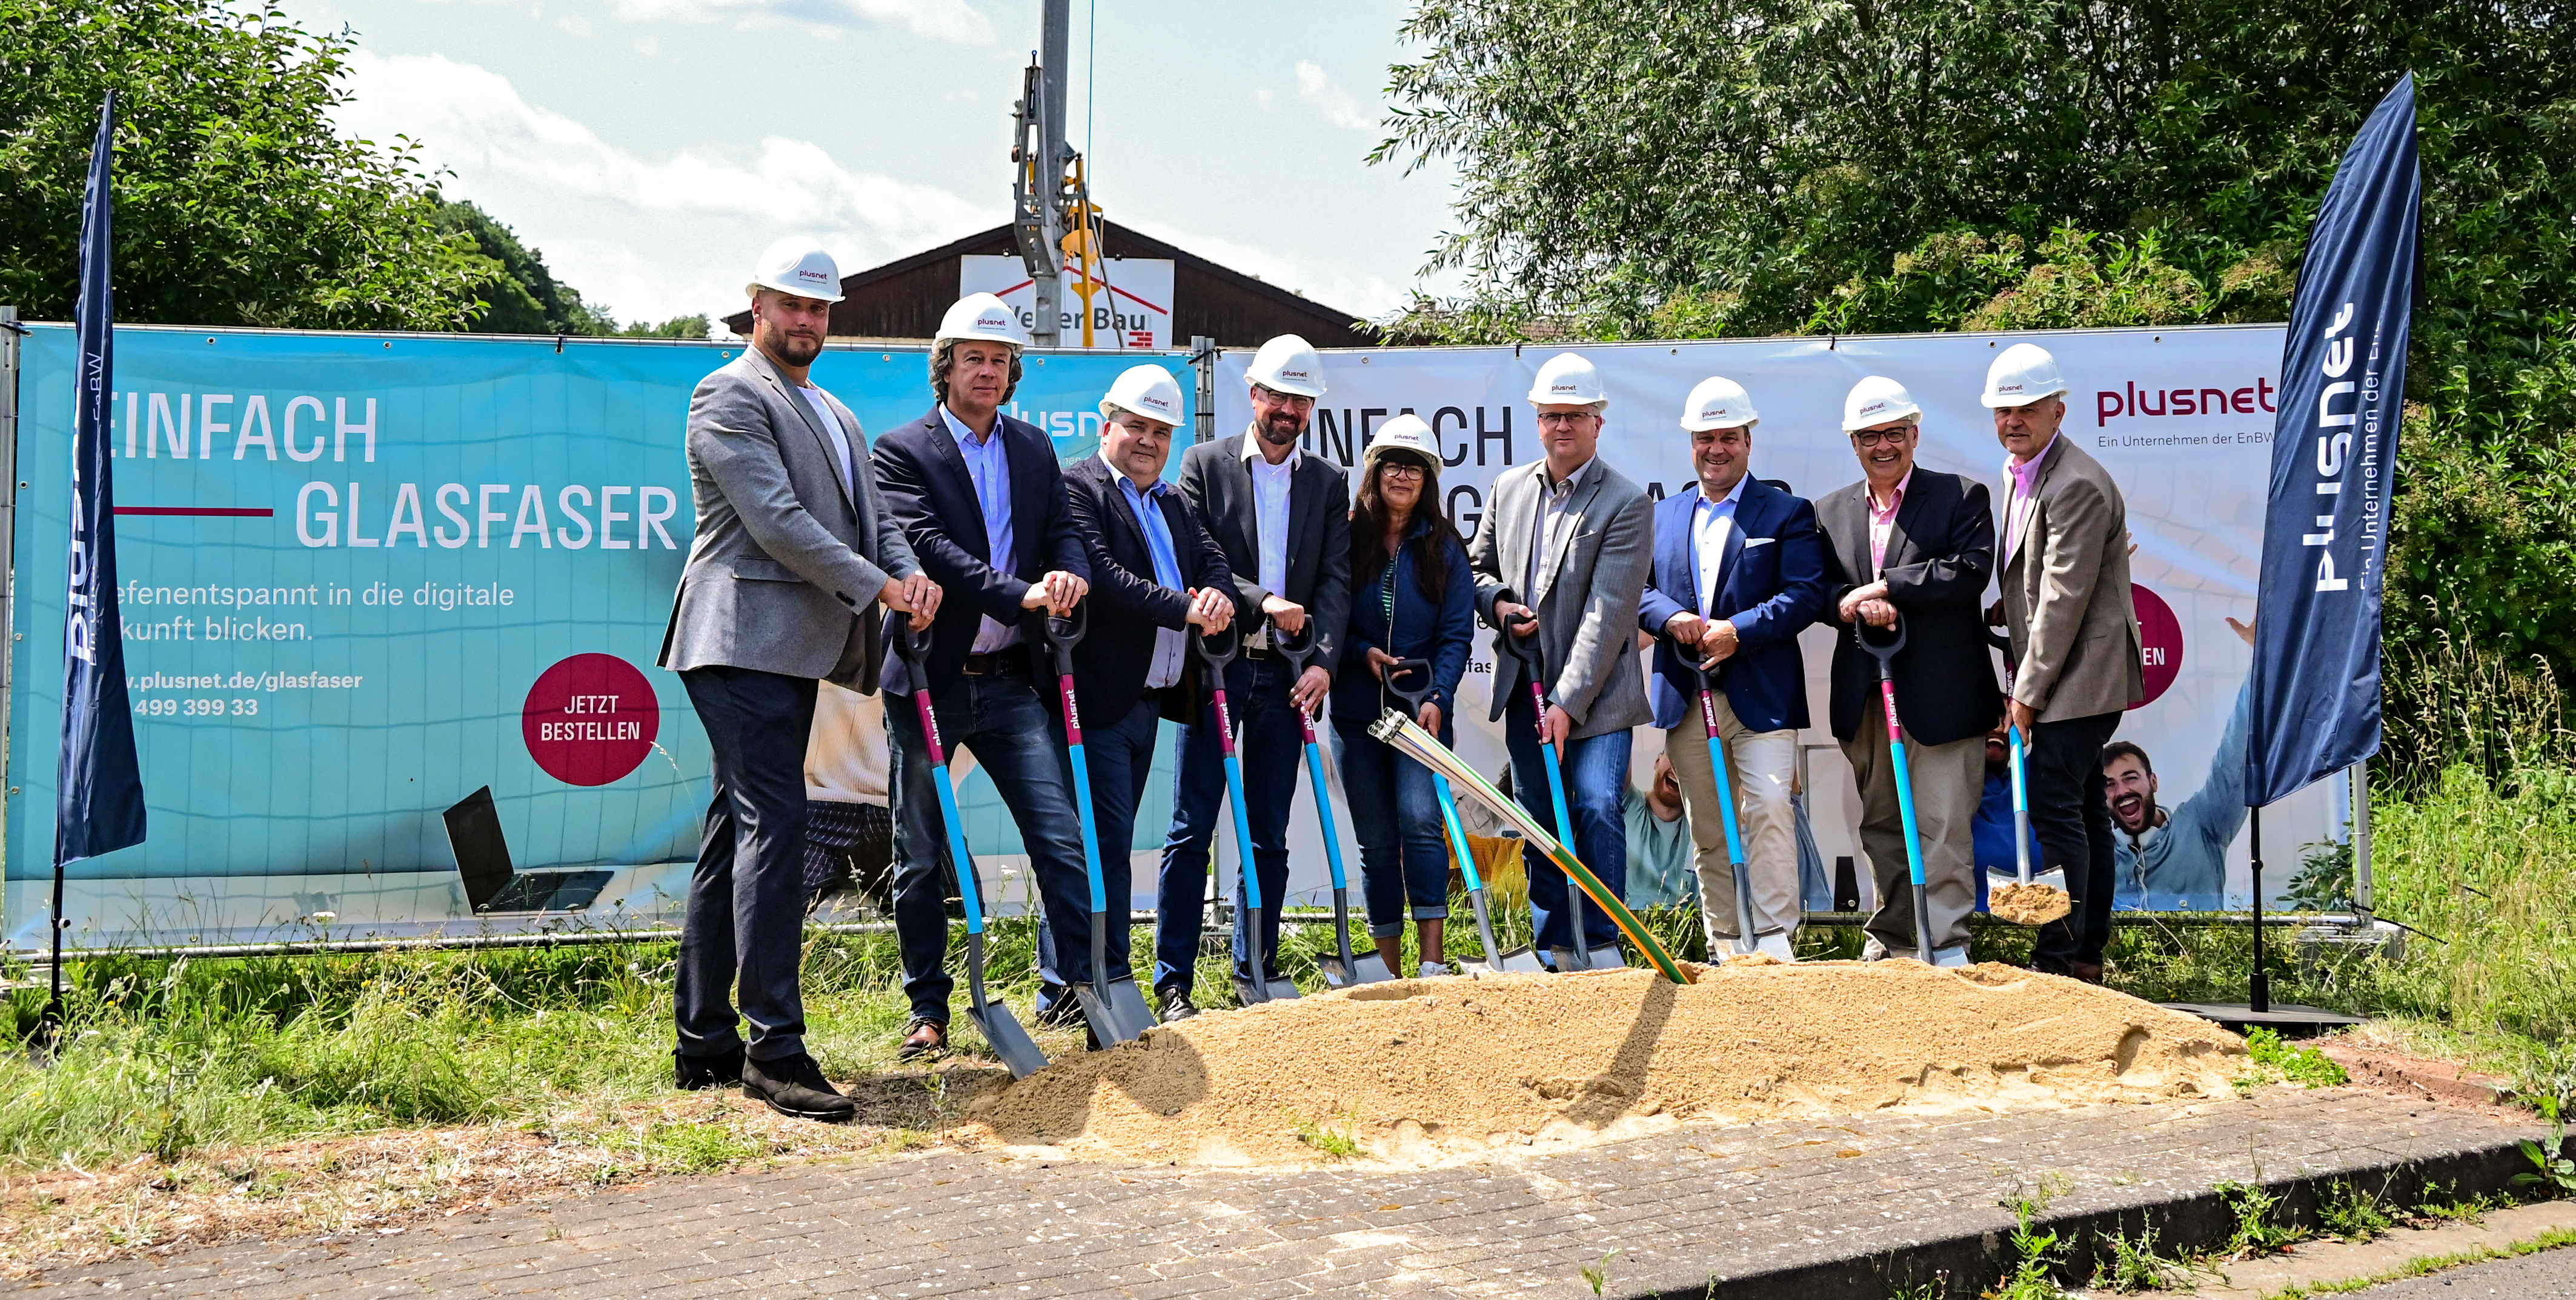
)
(793, 557)
(2066, 601)
(1283, 520)
(1562, 555)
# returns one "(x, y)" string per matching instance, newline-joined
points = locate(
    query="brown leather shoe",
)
(923, 1038)
(2088, 971)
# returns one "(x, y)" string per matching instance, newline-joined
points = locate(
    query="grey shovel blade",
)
(1364, 968)
(1117, 1011)
(1609, 958)
(1010, 1042)
(1518, 959)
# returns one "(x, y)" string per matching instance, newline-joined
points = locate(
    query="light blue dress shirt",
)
(1710, 523)
(1168, 642)
(988, 463)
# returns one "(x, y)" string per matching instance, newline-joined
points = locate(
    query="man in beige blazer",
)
(2065, 580)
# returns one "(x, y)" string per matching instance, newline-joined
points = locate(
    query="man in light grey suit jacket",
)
(2066, 600)
(1562, 555)
(793, 556)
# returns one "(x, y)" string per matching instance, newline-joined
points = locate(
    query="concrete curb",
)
(1970, 1260)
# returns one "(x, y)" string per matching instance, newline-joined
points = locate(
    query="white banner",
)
(1131, 307)
(2181, 417)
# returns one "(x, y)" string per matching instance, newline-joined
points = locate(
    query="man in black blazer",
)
(980, 497)
(1156, 574)
(1918, 543)
(1283, 521)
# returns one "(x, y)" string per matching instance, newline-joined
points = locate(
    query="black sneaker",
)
(794, 1086)
(1176, 1003)
(697, 1073)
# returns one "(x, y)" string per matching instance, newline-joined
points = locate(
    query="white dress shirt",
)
(1711, 521)
(1270, 510)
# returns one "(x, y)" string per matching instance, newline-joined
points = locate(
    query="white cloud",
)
(1316, 87)
(938, 20)
(649, 238)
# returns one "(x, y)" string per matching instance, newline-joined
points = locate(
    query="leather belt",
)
(1008, 661)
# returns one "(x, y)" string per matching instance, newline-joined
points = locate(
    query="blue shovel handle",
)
(1216, 662)
(1301, 653)
(1062, 635)
(910, 644)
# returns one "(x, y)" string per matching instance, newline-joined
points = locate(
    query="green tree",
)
(527, 299)
(237, 202)
(678, 327)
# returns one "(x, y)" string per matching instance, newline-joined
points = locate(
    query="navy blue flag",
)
(2315, 704)
(102, 784)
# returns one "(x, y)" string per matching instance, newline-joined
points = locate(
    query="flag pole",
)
(2260, 991)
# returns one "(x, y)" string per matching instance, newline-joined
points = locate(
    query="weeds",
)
(1597, 1275)
(2553, 1172)
(2136, 1266)
(2257, 1234)
(2354, 1215)
(2036, 1253)
(1336, 1143)
(2282, 1060)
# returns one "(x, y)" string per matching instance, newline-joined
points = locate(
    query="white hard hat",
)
(1568, 380)
(1875, 401)
(1719, 403)
(1404, 433)
(982, 316)
(1147, 390)
(1289, 364)
(796, 265)
(2024, 374)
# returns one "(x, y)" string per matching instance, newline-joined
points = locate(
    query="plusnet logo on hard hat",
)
(1560, 388)
(1868, 407)
(809, 273)
(2007, 388)
(1285, 373)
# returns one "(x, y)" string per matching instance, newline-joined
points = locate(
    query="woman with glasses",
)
(1412, 597)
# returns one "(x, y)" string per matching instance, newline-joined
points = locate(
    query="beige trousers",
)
(1761, 765)
(1949, 781)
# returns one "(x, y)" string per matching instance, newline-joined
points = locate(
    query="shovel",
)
(1341, 969)
(1495, 958)
(1579, 957)
(1010, 1042)
(2027, 903)
(1886, 656)
(1407, 735)
(1708, 687)
(1248, 986)
(1116, 1010)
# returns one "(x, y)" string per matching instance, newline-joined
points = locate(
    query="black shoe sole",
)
(819, 1117)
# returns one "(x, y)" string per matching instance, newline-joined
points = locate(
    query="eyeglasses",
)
(1872, 437)
(1400, 469)
(1547, 418)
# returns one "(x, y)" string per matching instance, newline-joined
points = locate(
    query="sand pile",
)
(1425, 1071)
(2029, 904)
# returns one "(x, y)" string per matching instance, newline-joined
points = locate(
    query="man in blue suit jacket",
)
(981, 499)
(1739, 570)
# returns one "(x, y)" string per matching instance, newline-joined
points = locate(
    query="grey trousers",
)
(1949, 781)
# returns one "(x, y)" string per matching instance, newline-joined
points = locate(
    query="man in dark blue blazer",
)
(981, 499)
(1156, 573)
(1739, 570)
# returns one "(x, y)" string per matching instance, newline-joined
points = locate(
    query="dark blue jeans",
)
(1118, 757)
(1020, 742)
(746, 918)
(1596, 773)
(1257, 692)
(1395, 812)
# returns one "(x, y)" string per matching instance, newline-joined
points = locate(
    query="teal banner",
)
(362, 578)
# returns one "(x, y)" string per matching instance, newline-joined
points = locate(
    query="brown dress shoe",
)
(2088, 971)
(924, 1038)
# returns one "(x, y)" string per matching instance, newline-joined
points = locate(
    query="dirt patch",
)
(1421, 1072)
(2028, 904)
(380, 1183)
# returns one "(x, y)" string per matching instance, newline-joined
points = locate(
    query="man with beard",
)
(982, 501)
(1283, 520)
(2175, 859)
(1994, 825)
(794, 556)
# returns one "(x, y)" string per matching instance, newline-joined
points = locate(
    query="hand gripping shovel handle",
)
(1885, 653)
(1710, 682)
(1216, 659)
(1301, 653)
(1012, 1043)
(1534, 667)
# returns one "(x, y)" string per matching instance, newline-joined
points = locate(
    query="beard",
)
(2134, 812)
(799, 349)
(1281, 429)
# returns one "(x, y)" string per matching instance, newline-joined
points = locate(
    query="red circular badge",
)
(2159, 642)
(590, 719)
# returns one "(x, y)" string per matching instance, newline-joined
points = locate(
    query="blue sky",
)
(650, 147)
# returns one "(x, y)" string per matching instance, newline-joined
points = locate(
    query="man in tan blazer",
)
(2065, 580)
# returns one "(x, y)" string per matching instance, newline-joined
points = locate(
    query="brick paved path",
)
(1683, 1211)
